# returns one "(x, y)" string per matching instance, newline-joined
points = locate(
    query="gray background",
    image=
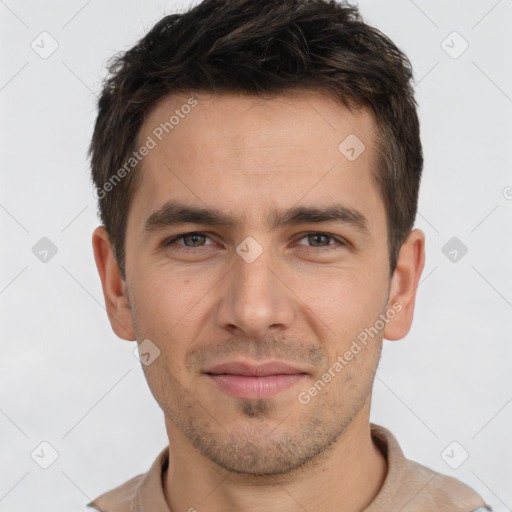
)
(69, 381)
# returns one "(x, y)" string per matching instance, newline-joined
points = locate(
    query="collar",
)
(408, 486)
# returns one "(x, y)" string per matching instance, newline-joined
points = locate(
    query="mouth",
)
(254, 381)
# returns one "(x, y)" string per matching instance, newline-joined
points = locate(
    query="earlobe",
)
(404, 283)
(114, 288)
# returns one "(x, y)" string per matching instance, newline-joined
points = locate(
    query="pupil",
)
(317, 237)
(194, 238)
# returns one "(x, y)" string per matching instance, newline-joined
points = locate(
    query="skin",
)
(303, 300)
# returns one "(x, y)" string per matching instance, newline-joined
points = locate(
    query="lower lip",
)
(255, 387)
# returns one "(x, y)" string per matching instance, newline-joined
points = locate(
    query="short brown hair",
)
(259, 47)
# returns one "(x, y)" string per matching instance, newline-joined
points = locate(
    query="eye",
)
(190, 240)
(197, 239)
(322, 239)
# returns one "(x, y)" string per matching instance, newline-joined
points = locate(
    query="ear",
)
(114, 287)
(402, 294)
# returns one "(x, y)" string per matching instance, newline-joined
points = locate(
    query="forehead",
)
(251, 156)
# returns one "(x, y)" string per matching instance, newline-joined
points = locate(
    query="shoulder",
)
(412, 487)
(142, 492)
(429, 488)
(118, 499)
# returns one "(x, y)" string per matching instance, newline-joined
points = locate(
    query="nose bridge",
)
(254, 298)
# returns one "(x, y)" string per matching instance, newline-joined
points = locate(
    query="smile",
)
(254, 382)
(244, 386)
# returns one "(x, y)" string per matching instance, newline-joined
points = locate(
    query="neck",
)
(353, 471)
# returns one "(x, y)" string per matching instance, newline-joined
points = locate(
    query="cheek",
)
(167, 307)
(343, 297)
(346, 307)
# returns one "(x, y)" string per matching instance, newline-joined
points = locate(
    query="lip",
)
(254, 381)
(253, 370)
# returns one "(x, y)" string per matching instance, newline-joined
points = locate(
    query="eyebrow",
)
(174, 213)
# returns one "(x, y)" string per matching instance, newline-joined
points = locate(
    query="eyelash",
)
(173, 240)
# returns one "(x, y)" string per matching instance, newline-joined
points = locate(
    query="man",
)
(257, 165)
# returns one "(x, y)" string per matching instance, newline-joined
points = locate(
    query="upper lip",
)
(253, 370)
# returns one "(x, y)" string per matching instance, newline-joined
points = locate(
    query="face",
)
(256, 258)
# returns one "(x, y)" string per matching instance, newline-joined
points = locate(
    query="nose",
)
(255, 300)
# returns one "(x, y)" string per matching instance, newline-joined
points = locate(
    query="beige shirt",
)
(408, 487)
